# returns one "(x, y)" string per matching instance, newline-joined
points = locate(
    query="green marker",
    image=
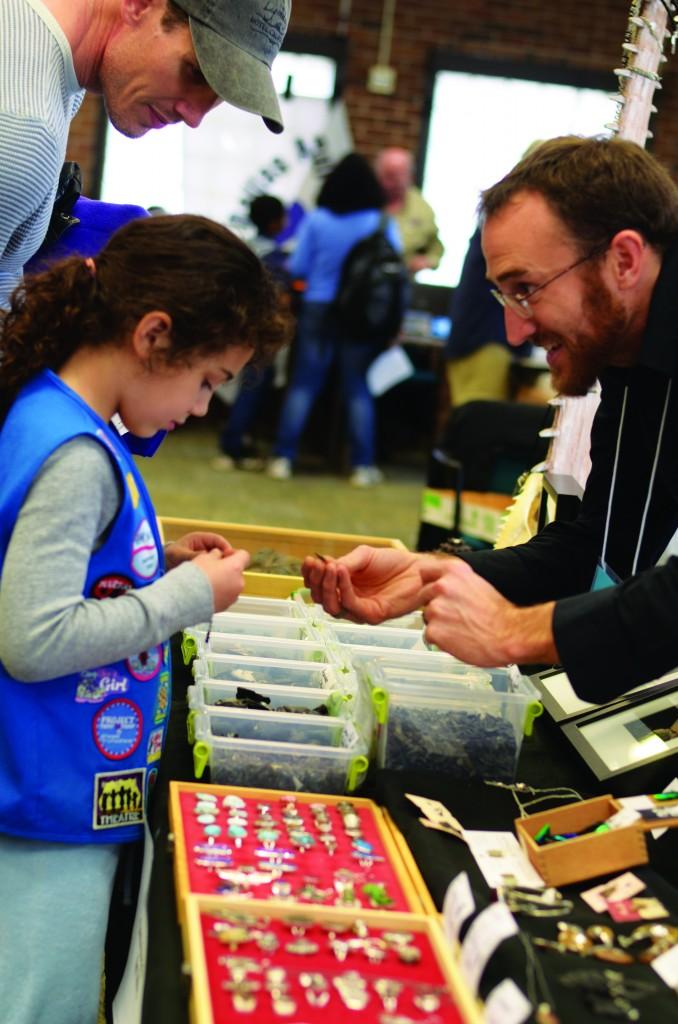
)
(542, 834)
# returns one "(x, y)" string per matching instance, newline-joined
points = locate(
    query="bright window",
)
(231, 155)
(480, 125)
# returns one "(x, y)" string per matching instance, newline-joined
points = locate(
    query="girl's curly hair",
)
(211, 284)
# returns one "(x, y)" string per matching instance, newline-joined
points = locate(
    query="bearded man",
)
(581, 242)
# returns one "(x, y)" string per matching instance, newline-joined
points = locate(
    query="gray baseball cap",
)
(235, 43)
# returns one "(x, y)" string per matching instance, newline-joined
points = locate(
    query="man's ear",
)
(152, 334)
(132, 11)
(629, 252)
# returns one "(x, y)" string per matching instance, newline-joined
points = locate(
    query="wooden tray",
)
(408, 877)
(295, 543)
(586, 856)
(426, 930)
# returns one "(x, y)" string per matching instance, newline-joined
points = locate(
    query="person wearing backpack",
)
(349, 210)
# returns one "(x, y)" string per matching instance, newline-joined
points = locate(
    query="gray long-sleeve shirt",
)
(47, 627)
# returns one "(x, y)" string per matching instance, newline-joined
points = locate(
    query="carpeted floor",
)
(182, 482)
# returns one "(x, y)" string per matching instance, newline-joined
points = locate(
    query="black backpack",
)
(372, 297)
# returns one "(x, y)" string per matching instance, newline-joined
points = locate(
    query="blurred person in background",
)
(350, 207)
(237, 451)
(421, 245)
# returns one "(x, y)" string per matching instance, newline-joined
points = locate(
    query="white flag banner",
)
(217, 169)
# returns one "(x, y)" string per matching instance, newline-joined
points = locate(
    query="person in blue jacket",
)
(350, 205)
(168, 310)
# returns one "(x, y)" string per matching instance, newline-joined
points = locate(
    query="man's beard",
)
(589, 352)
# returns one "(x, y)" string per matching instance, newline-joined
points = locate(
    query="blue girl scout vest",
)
(78, 753)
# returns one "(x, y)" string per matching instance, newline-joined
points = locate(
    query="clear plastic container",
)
(246, 605)
(198, 638)
(467, 724)
(288, 766)
(424, 663)
(243, 724)
(391, 637)
(317, 614)
(209, 692)
(256, 672)
(256, 646)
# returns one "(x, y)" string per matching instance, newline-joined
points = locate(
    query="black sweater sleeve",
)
(614, 639)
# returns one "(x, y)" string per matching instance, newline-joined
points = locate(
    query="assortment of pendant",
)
(285, 848)
(260, 966)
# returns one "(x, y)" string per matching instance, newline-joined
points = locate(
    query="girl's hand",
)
(191, 544)
(224, 571)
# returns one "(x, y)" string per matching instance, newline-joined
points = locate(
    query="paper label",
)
(435, 812)
(457, 906)
(494, 924)
(506, 1004)
(622, 819)
(666, 966)
(641, 803)
(501, 859)
(620, 888)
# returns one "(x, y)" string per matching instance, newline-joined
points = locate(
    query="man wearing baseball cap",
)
(155, 62)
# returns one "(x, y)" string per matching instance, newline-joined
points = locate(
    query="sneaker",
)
(251, 463)
(279, 468)
(226, 463)
(223, 462)
(366, 476)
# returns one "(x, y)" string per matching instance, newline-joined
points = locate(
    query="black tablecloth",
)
(546, 760)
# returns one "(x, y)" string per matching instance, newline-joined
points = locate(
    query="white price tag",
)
(666, 966)
(621, 819)
(501, 859)
(506, 1004)
(457, 905)
(494, 924)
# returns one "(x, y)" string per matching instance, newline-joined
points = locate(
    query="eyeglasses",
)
(519, 302)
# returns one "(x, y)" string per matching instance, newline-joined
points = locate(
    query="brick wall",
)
(541, 33)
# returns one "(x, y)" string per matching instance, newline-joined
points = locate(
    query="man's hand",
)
(468, 618)
(192, 544)
(419, 261)
(367, 585)
(225, 573)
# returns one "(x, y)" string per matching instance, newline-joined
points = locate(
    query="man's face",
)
(578, 318)
(395, 175)
(150, 76)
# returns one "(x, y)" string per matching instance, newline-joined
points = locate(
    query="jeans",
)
(249, 401)
(318, 344)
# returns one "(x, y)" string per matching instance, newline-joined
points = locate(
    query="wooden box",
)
(586, 856)
(295, 543)
(210, 1001)
(409, 889)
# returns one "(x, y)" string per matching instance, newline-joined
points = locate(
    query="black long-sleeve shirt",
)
(612, 640)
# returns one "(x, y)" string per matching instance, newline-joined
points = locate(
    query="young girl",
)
(171, 308)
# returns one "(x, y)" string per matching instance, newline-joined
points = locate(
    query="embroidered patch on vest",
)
(112, 585)
(154, 748)
(117, 728)
(118, 799)
(145, 665)
(145, 557)
(162, 699)
(96, 684)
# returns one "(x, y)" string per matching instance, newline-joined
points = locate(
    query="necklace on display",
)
(564, 794)
(538, 991)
